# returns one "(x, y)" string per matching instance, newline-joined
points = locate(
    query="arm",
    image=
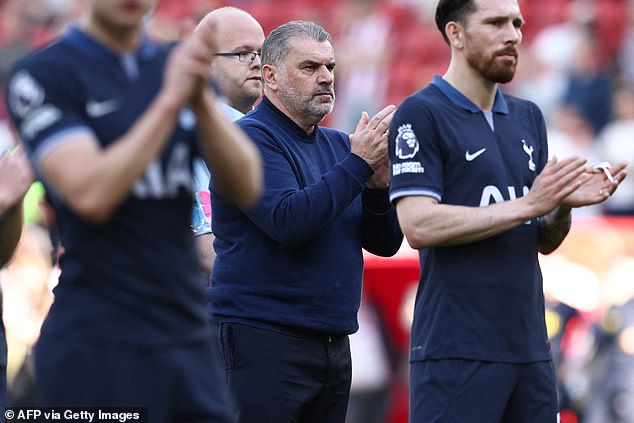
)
(201, 214)
(206, 252)
(230, 154)
(553, 228)
(15, 179)
(381, 233)
(94, 180)
(427, 223)
(294, 214)
(10, 231)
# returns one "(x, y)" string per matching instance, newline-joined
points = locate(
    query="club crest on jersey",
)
(406, 142)
(529, 150)
(25, 94)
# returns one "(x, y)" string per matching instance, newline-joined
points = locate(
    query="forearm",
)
(553, 228)
(381, 233)
(130, 156)
(295, 215)
(231, 156)
(10, 231)
(206, 252)
(426, 223)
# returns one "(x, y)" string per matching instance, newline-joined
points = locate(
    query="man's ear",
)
(269, 76)
(455, 34)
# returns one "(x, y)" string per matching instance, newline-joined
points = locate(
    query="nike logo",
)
(97, 109)
(470, 157)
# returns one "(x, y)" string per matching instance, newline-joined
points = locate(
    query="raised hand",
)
(594, 186)
(558, 180)
(369, 140)
(187, 70)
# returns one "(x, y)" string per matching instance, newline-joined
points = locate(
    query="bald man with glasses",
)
(235, 72)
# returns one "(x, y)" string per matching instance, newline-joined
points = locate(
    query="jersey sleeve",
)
(42, 109)
(415, 152)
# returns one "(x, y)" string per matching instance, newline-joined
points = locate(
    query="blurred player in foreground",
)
(112, 122)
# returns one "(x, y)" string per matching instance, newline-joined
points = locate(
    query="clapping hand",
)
(595, 186)
(369, 140)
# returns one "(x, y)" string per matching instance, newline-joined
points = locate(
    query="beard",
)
(309, 104)
(492, 67)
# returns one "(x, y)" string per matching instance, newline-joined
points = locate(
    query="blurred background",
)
(576, 63)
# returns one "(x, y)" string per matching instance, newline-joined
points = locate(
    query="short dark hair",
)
(453, 10)
(278, 43)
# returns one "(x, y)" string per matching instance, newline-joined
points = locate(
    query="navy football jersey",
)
(134, 279)
(481, 300)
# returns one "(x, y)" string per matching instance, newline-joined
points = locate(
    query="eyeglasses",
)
(243, 56)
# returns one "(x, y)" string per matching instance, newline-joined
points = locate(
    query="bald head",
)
(224, 18)
(236, 31)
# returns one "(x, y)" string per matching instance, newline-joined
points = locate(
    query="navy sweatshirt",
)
(294, 262)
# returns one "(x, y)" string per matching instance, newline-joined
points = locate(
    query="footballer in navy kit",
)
(476, 193)
(457, 162)
(103, 119)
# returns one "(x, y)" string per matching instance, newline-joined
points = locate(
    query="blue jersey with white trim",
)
(481, 300)
(134, 279)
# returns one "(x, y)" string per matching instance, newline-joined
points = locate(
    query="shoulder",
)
(427, 100)
(521, 105)
(332, 138)
(266, 121)
(425, 97)
(45, 60)
(255, 121)
(262, 129)
(331, 133)
(420, 111)
(33, 78)
(524, 110)
(45, 71)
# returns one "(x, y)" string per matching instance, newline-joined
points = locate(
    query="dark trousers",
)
(456, 391)
(276, 377)
(177, 384)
